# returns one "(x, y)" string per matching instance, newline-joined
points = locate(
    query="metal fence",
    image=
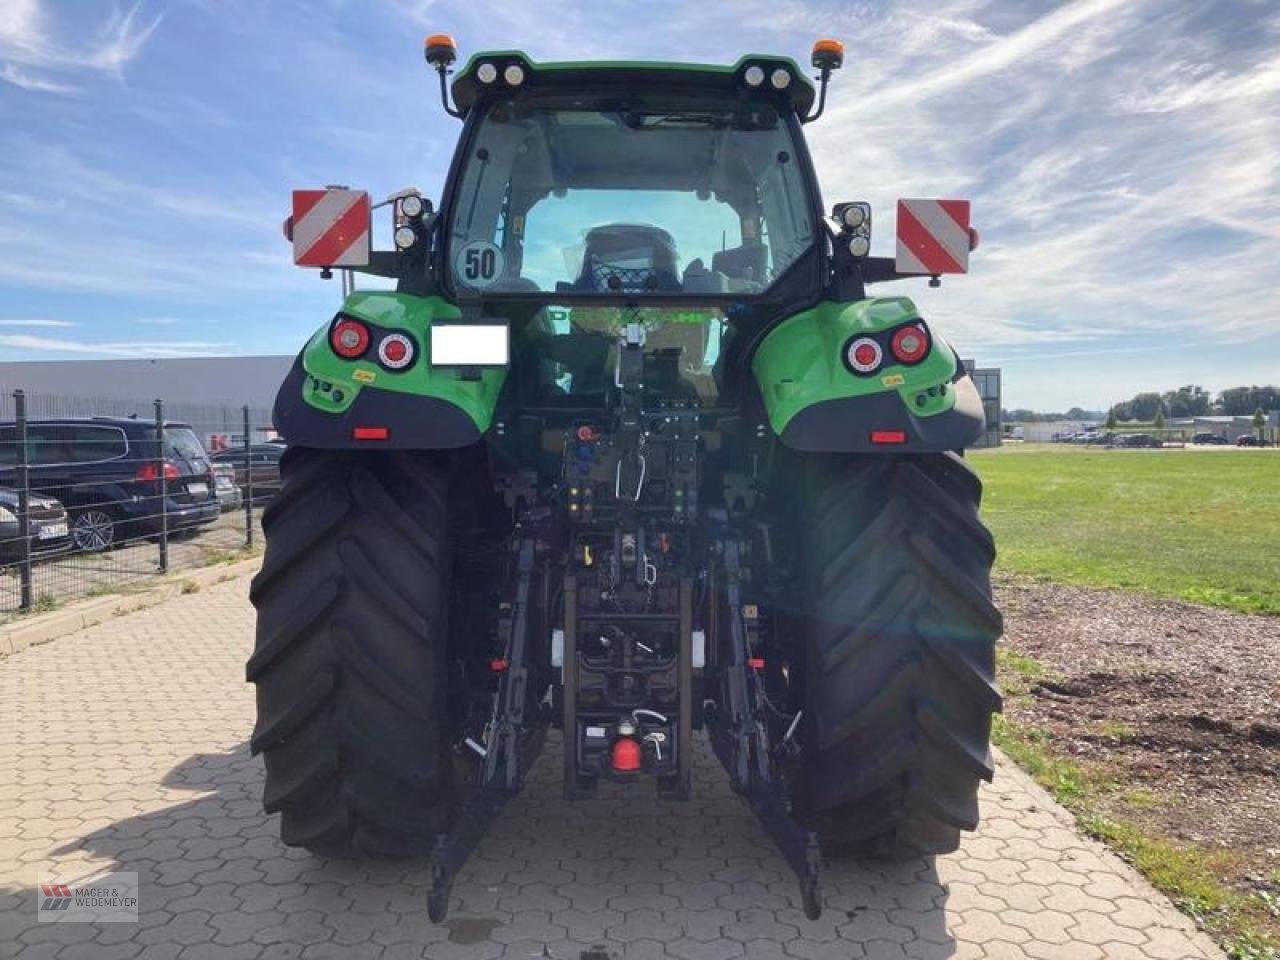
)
(98, 494)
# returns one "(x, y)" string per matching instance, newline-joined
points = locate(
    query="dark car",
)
(263, 466)
(107, 472)
(1140, 440)
(49, 531)
(1249, 440)
(1212, 439)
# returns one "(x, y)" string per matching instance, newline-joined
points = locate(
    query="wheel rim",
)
(93, 530)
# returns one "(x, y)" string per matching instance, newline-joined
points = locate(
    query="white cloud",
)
(29, 38)
(25, 322)
(1123, 160)
(194, 348)
(13, 74)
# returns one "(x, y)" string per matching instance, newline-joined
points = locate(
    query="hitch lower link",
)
(740, 739)
(512, 745)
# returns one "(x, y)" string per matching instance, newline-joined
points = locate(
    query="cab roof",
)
(638, 77)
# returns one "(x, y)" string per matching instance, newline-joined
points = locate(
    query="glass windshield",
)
(576, 349)
(585, 195)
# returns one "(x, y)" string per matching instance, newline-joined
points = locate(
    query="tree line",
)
(1188, 401)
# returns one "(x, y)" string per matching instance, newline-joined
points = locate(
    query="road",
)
(124, 748)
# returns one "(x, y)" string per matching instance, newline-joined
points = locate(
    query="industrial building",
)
(111, 386)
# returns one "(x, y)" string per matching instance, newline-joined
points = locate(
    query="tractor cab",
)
(694, 187)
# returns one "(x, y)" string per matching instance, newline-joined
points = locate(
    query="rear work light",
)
(863, 355)
(349, 339)
(149, 471)
(910, 344)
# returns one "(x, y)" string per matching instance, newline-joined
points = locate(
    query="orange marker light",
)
(440, 50)
(828, 54)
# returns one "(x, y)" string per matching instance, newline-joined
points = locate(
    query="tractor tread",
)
(901, 633)
(349, 659)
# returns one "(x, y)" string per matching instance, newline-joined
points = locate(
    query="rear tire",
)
(350, 656)
(899, 654)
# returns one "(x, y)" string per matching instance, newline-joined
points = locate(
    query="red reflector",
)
(370, 433)
(626, 755)
(756, 663)
(888, 436)
(498, 664)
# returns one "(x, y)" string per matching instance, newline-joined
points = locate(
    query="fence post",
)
(248, 482)
(164, 488)
(26, 600)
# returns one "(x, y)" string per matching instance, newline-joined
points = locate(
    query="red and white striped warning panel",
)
(331, 228)
(933, 236)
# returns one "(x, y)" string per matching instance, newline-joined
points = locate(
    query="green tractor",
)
(631, 453)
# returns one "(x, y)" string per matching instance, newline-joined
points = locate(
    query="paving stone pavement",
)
(123, 747)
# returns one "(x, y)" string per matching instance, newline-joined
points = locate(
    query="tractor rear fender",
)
(332, 402)
(824, 394)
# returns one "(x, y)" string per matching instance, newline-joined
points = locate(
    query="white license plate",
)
(51, 531)
(470, 345)
(198, 489)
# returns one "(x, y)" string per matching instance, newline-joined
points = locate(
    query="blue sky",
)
(1123, 158)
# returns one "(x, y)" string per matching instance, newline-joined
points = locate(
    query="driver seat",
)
(628, 258)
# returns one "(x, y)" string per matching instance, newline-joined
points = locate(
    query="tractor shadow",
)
(600, 878)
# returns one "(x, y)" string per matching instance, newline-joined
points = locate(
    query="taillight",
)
(349, 339)
(395, 351)
(863, 355)
(148, 471)
(910, 344)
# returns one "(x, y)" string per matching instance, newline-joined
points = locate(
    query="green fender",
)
(815, 402)
(326, 397)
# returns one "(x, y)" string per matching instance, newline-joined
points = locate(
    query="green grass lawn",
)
(1202, 526)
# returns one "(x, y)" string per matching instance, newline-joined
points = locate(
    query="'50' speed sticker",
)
(479, 264)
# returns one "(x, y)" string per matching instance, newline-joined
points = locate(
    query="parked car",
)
(230, 497)
(107, 473)
(1249, 440)
(263, 466)
(49, 532)
(1212, 439)
(1140, 440)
